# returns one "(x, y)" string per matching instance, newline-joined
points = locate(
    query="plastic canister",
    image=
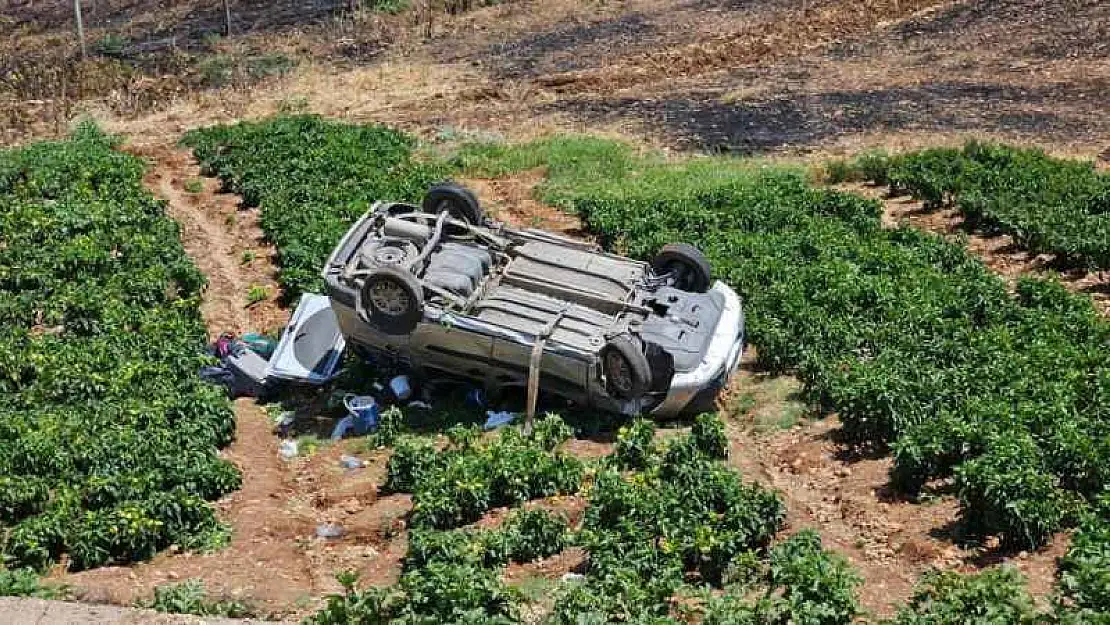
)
(401, 387)
(364, 411)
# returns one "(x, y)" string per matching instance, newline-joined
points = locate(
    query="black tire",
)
(458, 201)
(694, 273)
(392, 300)
(626, 368)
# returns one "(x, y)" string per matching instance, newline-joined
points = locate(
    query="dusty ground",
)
(40, 612)
(775, 77)
(224, 240)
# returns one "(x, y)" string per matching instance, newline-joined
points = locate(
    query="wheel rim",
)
(388, 297)
(390, 255)
(619, 372)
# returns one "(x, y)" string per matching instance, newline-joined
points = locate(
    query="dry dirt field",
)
(788, 79)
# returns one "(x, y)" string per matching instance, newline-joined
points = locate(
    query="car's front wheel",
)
(626, 368)
(458, 201)
(392, 300)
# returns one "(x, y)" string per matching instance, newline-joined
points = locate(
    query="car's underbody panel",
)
(599, 281)
(528, 313)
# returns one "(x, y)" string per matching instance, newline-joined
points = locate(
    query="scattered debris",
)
(361, 419)
(330, 530)
(311, 345)
(284, 423)
(401, 388)
(350, 462)
(260, 344)
(248, 369)
(218, 375)
(241, 370)
(288, 449)
(572, 577)
(496, 420)
(476, 398)
(309, 352)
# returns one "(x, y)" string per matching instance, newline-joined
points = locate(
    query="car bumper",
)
(694, 391)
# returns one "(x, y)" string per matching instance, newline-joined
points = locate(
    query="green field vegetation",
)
(457, 486)
(108, 438)
(922, 352)
(680, 524)
(1048, 205)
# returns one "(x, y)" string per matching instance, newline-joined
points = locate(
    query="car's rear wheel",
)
(458, 201)
(626, 368)
(687, 266)
(392, 300)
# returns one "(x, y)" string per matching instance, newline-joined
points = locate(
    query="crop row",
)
(1048, 205)
(681, 520)
(914, 344)
(108, 440)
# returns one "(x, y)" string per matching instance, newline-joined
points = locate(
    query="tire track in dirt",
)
(223, 240)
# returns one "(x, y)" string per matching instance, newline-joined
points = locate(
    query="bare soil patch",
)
(511, 199)
(223, 239)
(258, 564)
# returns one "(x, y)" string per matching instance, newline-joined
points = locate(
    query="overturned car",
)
(442, 290)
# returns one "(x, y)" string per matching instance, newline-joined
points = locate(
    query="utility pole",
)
(80, 27)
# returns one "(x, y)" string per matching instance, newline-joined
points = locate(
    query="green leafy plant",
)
(1048, 205)
(818, 587)
(111, 45)
(257, 294)
(915, 345)
(456, 486)
(26, 583)
(190, 597)
(635, 446)
(312, 179)
(535, 534)
(996, 596)
(709, 436)
(1085, 569)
